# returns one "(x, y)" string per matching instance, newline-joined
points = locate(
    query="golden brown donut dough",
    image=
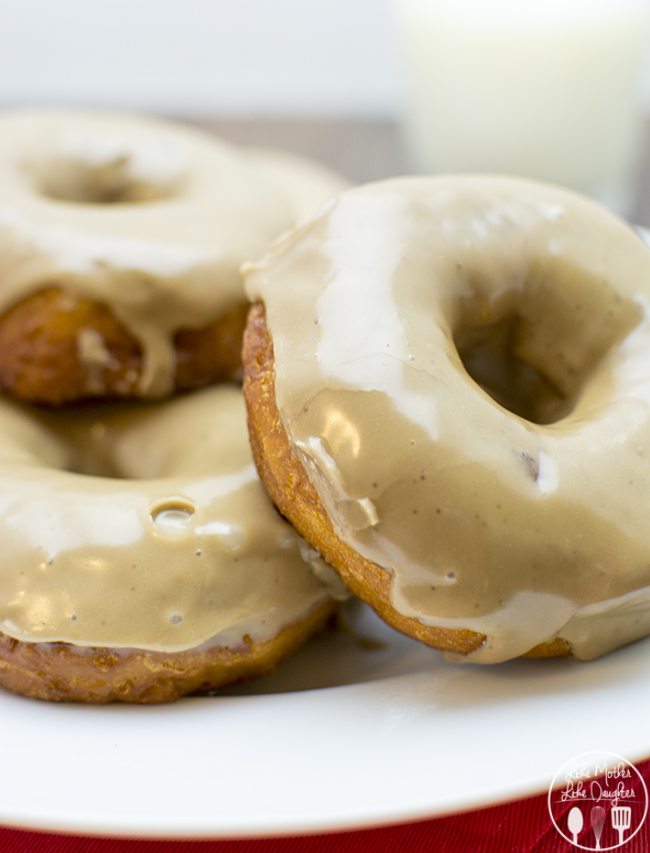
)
(56, 348)
(289, 487)
(61, 672)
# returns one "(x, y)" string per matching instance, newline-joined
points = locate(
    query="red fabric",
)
(521, 827)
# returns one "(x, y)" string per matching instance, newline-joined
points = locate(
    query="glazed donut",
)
(460, 421)
(141, 558)
(120, 245)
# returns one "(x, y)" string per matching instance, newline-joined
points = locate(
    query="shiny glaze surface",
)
(145, 527)
(462, 366)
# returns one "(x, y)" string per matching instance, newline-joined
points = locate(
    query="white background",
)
(202, 57)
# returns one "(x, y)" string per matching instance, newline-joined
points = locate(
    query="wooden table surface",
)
(366, 150)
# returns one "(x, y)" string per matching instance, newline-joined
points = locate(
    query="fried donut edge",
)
(62, 672)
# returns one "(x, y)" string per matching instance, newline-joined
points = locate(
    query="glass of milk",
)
(549, 89)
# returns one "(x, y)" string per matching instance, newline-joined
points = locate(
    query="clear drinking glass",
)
(549, 89)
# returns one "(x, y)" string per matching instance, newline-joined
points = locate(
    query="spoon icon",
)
(575, 823)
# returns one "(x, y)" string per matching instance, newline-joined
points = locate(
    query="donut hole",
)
(491, 357)
(84, 170)
(535, 349)
(112, 184)
(147, 442)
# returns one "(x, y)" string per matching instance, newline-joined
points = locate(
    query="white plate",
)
(341, 736)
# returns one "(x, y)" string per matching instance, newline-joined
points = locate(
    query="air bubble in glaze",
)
(172, 517)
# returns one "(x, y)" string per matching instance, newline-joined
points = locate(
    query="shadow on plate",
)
(360, 649)
(366, 650)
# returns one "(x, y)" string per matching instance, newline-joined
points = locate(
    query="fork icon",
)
(621, 820)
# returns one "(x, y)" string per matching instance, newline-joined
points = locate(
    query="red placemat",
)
(524, 826)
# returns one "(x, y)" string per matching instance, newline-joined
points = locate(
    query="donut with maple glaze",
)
(141, 558)
(121, 240)
(460, 421)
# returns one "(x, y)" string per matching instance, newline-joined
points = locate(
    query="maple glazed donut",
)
(460, 421)
(141, 558)
(121, 240)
